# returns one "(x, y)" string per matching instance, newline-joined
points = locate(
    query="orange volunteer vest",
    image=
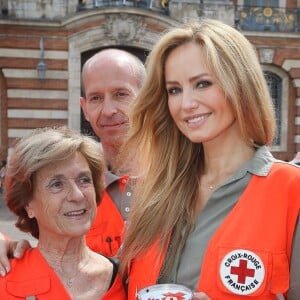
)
(32, 276)
(106, 233)
(249, 253)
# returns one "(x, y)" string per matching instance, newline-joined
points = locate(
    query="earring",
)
(30, 214)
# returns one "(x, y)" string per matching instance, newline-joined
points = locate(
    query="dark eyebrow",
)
(198, 76)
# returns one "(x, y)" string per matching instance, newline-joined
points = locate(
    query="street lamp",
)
(41, 67)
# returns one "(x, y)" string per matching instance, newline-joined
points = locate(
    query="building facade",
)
(44, 43)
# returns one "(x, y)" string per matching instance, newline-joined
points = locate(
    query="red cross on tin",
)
(173, 296)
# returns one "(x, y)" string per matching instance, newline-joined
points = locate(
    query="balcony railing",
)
(30, 10)
(248, 18)
(159, 6)
(273, 19)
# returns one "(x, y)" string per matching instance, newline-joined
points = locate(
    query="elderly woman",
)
(53, 184)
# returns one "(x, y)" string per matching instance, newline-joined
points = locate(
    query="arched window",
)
(274, 83)
(277, 82)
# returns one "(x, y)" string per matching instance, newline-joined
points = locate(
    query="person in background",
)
(53, 184)
(111, 80)
(2, 175)
(213, 209)
(2, 179)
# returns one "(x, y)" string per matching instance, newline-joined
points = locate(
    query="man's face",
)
(109, 88)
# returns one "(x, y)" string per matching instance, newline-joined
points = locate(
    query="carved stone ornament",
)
(266, 55)
(125, 28)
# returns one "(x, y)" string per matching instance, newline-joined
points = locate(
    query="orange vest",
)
(106, 233)
(32, 276)
(249, 253)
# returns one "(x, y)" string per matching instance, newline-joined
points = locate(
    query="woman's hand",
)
(200, 296)
(9, 249)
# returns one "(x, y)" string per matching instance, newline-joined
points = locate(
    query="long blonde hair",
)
(166, 195)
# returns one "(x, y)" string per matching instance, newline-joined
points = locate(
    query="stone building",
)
(44, 43)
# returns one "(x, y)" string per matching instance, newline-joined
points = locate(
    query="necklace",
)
(70, 281)
(208, 185)
(212, 185)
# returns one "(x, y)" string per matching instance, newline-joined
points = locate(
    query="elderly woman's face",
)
(64, 199)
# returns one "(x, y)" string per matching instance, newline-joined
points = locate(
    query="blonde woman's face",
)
(64, 200)
(196, 102)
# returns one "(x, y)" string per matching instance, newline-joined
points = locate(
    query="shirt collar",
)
(261, 162)
(109, 178)
(259, 165)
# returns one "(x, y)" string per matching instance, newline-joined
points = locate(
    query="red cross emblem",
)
(242, 271)
(172, 296)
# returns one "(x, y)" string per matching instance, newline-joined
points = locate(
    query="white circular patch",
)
(242, 272)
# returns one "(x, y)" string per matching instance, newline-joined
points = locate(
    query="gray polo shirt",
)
(120, 198)
(187, 267)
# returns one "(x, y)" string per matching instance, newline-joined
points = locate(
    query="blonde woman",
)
(214, 210)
